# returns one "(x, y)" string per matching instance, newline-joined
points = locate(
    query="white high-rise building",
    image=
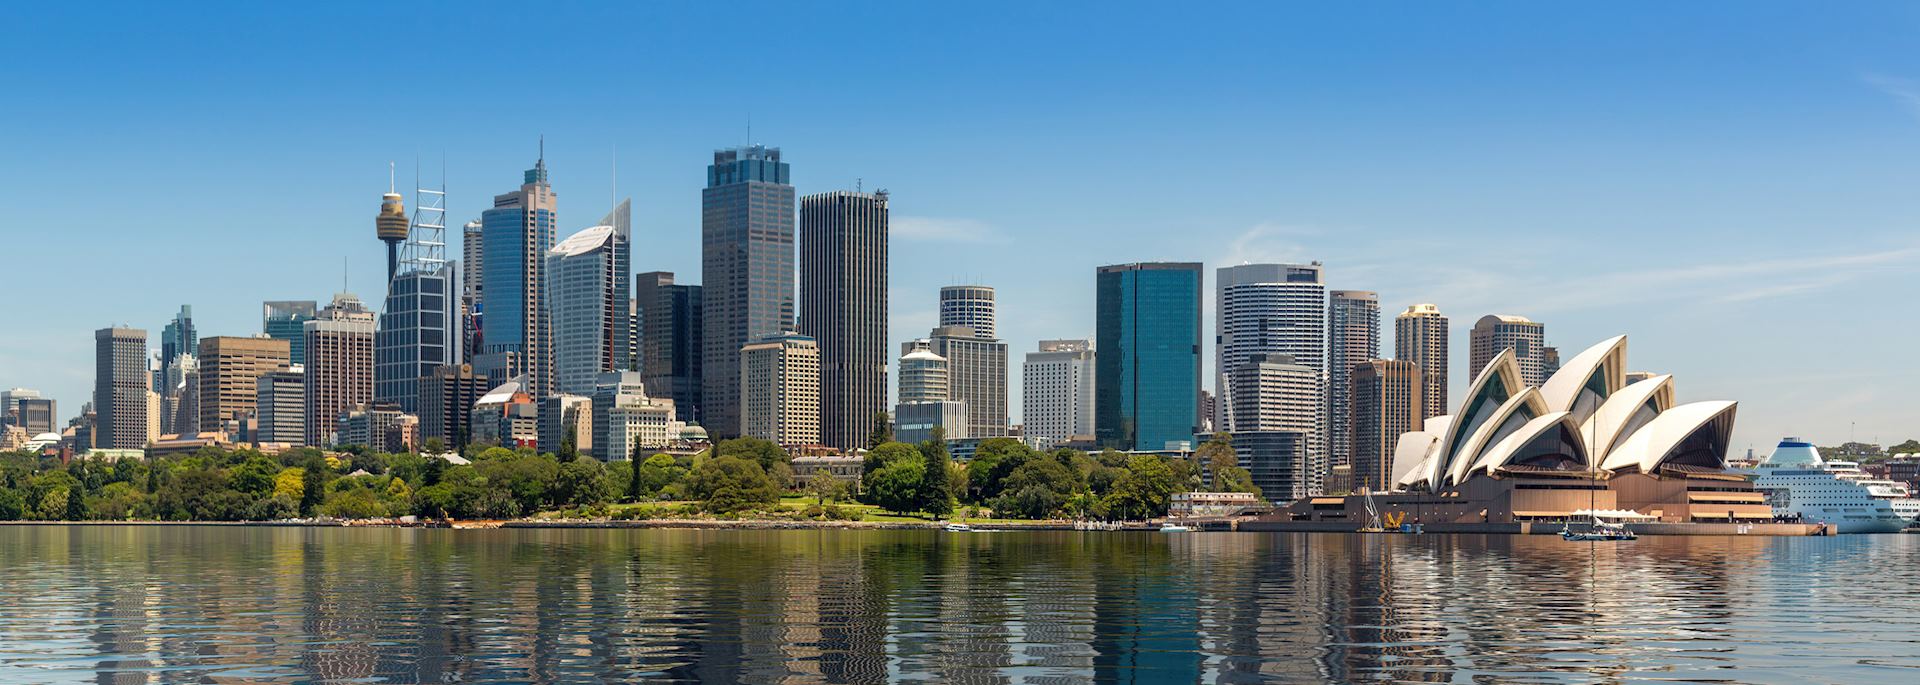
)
(625, 418)
(1272, 309)
(780, 389)
(588, 319)
(968, 305)
(1057, 391)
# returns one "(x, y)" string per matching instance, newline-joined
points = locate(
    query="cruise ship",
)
(1797, 482)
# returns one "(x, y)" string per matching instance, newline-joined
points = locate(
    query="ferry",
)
(1798, 483)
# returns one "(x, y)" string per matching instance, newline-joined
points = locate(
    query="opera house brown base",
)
(1677, 500)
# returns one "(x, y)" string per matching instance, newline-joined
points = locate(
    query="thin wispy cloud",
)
(1270, 242)
(1905, 91)
(945, 230)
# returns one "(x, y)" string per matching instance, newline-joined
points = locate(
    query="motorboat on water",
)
(957, 528)
(1171, 527)
(1600, 531)
(1798, 483)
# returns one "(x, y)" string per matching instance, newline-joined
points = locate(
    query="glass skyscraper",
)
(1147, 375)
(286, 320)
(515, 236)
(746, 271)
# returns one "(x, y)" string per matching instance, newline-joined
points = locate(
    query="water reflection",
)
(227, 605)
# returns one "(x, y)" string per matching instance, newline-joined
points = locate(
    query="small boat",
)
(1601, 531)
(957, 528)
(1171, 527)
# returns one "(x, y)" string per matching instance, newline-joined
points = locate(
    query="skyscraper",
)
(120, 386)
(516, 234)
(1496, 332)
(1386, 403)
(286, 320)
(843, 306)
(1273, 309)
(1353, 337)
(416, 332)
(1147, 375)
(339, 365)
(670, 340)
(280, 399)
(447, 397)
(472, 238)
(1057, 391)
(178, 338)
(977, 376)
(230, 371)
(588, 306)
(780, 389)
(968, 305)
(1270, 392)
(746, 255)
(1420, 336)
(926, 397)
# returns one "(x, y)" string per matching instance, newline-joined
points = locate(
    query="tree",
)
(882, 430)
(76, 504)
(993, 461)
(1037, 489)
(936, 486)
(1224, 465)
(292, 482)
(1908, 447)
(255, 476)
(1144, 491)
(12, 508)
(731, 484)
(313, 482)
(822, 485)
(434, 445)
(582, 482)
(773, 461)
(897, 485)
(118, 501)
(353, 503)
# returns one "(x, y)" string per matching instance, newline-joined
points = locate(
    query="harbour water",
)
(179, 604)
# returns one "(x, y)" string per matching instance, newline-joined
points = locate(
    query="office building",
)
(472, 240)
(373, 426)
(1496, 332)
(1057, 391)
(1420, 336)
(588, 304)
(746, 270)
(287, 320)
(418, 330)
(1353, 337)
(516, 235)
(280, 398)
(625, 418)
(179, 338)
(1147, 375)
(36, 415)
(339, 365)
(843, 306)
(926, 400)
(971, 306)
(446, 403)
(1387, 402)
(976, 376)
(780, 389)
(120, 384)
(229, 378)
(1278, 463)
(566, 418)
(1272, 309)
(670, 340)
(1270, 392)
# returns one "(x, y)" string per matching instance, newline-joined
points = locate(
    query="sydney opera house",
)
(1585, 440)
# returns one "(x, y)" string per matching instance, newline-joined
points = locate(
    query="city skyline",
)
(1707, 249)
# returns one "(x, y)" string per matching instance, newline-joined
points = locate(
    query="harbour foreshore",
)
(1245, 525)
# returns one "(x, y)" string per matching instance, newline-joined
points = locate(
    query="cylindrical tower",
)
(391, 226)
(970, 306)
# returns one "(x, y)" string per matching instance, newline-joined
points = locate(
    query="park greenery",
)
(739, 478)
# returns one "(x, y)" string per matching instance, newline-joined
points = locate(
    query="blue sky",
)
(1730, 184)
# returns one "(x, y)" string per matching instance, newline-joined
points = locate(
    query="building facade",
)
(747, 272)
(1278, 462)
(1420, 336)
(780, 389)
(926, 397)
(121, 381)
(516, 234)
(976, 376)
(280, 398)
(1353, 338)
(446, 403)
(1056, 391)
(843, 306)
(1387, 402)
(287, 320)
(1272, 309)
(587, 307)
(1527, 338)
(339, 367)
(229, 378)
(971, 306)
(626, 419)
(1147, 375)
(669, 322)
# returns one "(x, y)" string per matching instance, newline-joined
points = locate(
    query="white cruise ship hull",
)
(1879, 519)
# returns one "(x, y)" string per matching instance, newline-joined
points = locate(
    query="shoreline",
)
(1662, 530)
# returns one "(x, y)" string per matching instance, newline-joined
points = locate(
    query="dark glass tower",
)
(515, 236)
(670, 341)
(843, 291)
(746, 271)
(1147, 375)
